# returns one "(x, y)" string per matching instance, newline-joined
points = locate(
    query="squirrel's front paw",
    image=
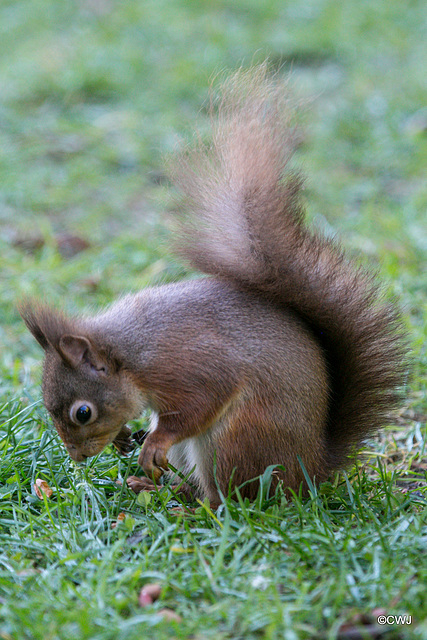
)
(123, 441)
(152, 457)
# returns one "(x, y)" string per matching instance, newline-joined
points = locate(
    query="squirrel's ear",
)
(52, 329)
(77, 350)
(46, 324)
(74, 349)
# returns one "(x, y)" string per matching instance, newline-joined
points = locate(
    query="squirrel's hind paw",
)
(145, 484)
(140, 484)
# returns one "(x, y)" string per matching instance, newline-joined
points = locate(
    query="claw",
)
(140, 436)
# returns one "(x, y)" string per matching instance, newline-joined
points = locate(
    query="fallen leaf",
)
(120, 518)
(171, 615)
(149, 594)
(183, 510)
(29, 243)
(41, 487)
(70, 245)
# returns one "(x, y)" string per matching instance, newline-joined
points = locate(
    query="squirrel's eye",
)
(83, 414)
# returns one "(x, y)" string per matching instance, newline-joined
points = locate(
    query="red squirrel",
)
(287, 353)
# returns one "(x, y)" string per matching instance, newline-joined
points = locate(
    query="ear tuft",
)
(28, 312)
(45, 323)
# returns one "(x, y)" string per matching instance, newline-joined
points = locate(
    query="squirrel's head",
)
(86, 391)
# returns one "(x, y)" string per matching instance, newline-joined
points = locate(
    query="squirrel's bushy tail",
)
(244, 223)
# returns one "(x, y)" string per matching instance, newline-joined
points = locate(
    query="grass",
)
(93, 94)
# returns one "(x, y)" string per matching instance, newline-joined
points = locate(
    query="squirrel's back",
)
(244, 223)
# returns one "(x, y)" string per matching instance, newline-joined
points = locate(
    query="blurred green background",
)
(93, 94)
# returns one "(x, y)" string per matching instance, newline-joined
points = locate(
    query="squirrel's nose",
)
(75, 454)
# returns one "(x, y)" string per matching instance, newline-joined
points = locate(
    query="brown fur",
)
(287, 351)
